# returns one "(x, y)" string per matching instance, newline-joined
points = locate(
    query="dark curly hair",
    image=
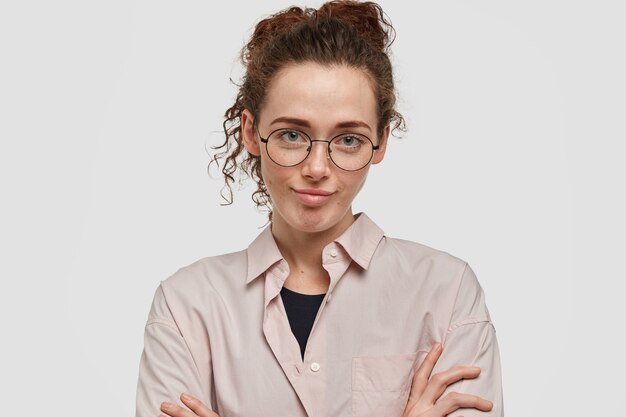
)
(352, 33)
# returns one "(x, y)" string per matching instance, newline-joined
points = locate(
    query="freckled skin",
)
(323, 96)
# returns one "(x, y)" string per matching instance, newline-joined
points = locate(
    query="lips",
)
(312, 196)
(313, 191)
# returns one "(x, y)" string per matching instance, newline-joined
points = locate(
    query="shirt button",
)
(315, 366)
(333, 253)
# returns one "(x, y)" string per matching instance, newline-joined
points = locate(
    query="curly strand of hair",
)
(233, 149)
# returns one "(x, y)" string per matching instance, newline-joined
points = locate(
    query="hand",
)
(198, 408)
(424, 398)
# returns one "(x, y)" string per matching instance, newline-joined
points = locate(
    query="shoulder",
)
(434, 269)
(436, 272)
(413, 254)
(205, 276)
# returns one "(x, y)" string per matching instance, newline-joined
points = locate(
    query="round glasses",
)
(290, 147)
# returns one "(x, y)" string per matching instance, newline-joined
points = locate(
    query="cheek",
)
(273, 178)
(267, 179)
(356, 183)
(267, 173)
(361, 184)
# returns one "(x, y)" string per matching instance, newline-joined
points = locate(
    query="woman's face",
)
(322, 102)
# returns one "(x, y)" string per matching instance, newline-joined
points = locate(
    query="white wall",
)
(513, 161)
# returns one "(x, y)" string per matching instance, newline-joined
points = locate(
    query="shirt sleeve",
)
(471, 341)
(166, 367)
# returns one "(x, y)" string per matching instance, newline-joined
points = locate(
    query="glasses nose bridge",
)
(328, 151)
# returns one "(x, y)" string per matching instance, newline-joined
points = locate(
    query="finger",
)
(174, 410)
(197, 406)
(455, 400)
(422, 375)
(440, 381)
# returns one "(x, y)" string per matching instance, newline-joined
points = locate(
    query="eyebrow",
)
(304, 123)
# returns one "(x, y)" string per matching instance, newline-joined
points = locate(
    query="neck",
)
(303, 250)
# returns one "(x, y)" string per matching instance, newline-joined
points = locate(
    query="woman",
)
(322, 315)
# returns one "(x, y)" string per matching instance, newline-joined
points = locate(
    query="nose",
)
(317, 165)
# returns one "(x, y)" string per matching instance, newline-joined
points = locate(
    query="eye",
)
(349, 141)
(291, 136)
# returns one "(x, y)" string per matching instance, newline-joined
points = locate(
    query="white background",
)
(513, 162)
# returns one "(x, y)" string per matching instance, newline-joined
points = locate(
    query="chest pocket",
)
(381, 384)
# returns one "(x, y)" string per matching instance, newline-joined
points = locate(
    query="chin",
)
(317, 219)
(311, 222)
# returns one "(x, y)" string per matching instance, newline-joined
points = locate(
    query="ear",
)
(248, 133)
(379, 154)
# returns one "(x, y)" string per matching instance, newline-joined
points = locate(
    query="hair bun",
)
(272, 26)
(368, 18)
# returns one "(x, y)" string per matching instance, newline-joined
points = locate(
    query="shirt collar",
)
(262, 253)
(360, 241)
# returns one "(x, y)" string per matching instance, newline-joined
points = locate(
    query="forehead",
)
(323, 95)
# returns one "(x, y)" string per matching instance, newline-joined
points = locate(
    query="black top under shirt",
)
(301, 311)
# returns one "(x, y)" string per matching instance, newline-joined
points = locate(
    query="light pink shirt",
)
(217, 329)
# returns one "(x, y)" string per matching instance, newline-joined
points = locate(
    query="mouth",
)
(313, 197)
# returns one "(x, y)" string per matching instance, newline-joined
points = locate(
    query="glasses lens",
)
(351, 151)
(288, 147)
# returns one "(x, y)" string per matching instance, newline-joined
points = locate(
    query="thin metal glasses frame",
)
(329, 152)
